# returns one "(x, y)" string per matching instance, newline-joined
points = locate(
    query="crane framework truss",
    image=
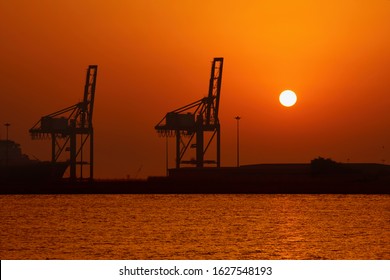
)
(195, 120)
(64, 126)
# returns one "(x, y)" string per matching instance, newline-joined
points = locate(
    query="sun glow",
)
(288, 98)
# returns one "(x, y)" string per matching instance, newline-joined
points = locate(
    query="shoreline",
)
(176, 187)
(254, 179)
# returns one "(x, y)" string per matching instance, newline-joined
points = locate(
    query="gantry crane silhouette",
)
(194, 121)
(63, 127)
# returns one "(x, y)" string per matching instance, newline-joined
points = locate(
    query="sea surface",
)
(195, 227)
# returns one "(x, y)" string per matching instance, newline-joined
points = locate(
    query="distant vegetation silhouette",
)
(322, 165)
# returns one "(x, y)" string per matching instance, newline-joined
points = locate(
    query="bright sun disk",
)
(288, 98)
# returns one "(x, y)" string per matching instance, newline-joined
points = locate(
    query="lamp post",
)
(6, 145)
(238, 140)
(166, 155)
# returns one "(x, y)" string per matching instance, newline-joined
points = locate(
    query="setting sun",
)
(288, 98)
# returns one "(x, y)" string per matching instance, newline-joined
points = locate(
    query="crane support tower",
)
(71, 130)
(196, 119)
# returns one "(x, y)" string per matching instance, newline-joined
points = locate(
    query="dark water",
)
(195, 227)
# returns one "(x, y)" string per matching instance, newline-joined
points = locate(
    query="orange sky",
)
(155, 56)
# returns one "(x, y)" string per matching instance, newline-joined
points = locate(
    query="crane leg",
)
(178, 152)
(199, 147)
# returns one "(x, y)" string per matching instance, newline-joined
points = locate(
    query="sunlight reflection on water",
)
(195, 227)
